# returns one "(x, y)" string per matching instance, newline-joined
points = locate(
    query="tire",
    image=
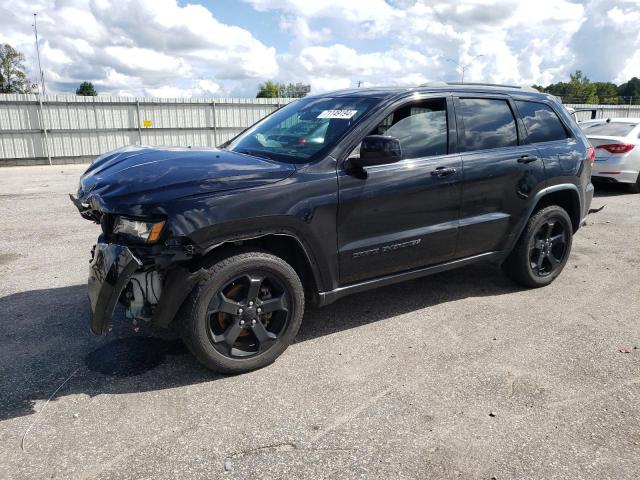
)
(227, 334)
(541, 253)
(635, 187)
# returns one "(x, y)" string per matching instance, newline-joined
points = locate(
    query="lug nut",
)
(259, 310)
(253, 322)
(251, 304)
(241, 322)
(240, 311)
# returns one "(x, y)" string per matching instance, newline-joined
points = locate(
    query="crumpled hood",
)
(147, 175)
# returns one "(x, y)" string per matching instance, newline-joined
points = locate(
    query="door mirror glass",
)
(377, 150)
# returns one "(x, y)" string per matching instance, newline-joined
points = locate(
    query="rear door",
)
(501, 172)
(397, 217)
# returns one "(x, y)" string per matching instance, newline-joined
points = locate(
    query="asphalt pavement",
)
(458, 375)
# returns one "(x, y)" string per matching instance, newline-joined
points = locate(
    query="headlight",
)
(147, 231)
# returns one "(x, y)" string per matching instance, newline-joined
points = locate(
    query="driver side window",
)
(420, 127)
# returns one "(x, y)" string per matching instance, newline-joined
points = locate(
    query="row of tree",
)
(579, 89)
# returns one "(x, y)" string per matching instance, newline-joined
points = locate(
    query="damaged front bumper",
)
(111, 267)
(114, 266)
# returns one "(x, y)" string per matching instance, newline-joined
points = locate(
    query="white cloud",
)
(375, 16)
(166, 48)
(136, 46)
(520, 42)
(144, 60)
(302, 34)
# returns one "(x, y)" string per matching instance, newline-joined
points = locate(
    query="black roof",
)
(388, 92)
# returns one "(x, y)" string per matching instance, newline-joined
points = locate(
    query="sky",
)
(225, 48)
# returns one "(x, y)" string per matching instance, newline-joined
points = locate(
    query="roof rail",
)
(442, 84)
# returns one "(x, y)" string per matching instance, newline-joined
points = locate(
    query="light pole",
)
(464, 66)
(35, 30)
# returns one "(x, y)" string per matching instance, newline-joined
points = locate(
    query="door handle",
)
(443, 171)
(527, 159)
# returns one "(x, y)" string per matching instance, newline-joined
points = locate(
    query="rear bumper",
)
(111, 267)
(611, 172)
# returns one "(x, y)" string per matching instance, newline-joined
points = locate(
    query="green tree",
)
(274, 89)
(607, 93)
(578, 90)
(86, 90)
(12, 76)
(630, 89)
(268, 90)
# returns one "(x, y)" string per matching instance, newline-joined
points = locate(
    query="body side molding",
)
(325, 298)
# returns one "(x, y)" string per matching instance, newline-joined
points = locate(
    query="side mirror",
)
(378, 150)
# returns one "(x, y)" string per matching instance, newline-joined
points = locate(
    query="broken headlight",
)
(146, 231)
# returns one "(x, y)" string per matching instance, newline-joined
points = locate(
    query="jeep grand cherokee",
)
(331, 195)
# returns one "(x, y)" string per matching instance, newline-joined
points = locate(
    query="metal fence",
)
(74, 129)
(604, 111)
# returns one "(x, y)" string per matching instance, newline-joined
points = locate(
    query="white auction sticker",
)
(345, 114)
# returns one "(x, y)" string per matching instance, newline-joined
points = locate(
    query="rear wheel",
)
(244, 314)
(543, 248)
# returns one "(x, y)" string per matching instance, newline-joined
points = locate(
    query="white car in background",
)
(617, 146)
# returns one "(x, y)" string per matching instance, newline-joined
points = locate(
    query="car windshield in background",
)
(303, 129)
(610, 129)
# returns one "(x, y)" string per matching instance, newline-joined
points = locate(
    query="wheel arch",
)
(284, 244)
(564, 195)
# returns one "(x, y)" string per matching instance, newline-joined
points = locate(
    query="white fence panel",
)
(80, 128)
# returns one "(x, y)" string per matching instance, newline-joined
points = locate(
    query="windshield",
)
(303, 129)
(610, 129)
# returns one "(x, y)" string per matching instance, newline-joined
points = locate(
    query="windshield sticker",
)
(344, 114)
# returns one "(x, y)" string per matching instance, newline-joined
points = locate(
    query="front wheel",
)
(244, 314)
(543, 248)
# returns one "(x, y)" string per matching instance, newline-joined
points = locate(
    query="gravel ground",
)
(458, 375)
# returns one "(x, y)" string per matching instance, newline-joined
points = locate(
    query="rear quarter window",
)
(541, 122)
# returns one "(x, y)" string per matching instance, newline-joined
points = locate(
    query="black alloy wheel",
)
(248, 314)
(548, 247)
(244, 313)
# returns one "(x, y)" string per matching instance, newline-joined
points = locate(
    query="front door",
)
(397, 217)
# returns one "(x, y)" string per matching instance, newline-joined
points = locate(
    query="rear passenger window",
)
(541, 122)
(488, 124)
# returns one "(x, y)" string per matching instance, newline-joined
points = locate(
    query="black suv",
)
(331, 195)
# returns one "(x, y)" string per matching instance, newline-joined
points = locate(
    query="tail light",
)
(591, 155)
(617, 147)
